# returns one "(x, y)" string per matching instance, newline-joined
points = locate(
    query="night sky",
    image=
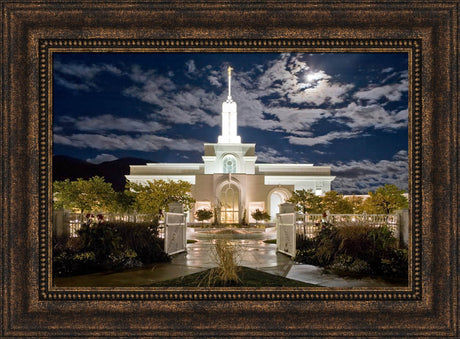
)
(345, 110)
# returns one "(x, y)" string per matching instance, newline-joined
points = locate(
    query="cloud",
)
(214, 80)
(102, 158)
(86, 87)
(321, 92)
(144, 142)
(320, 152)
(81, 75)
(109, 122)
(191, 67)
(282, 96)
(150, 87)
(271, 156)
(291, 77)
(357, 117)
(323, 139)
(391, 92)
(360, 177)
(272, 97)
(175, 105)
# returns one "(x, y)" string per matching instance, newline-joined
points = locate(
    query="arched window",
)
(229, 199)
(229, 164)
(277, 197)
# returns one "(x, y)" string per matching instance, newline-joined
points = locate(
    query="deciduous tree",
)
(336, 203)
(203, 214)
(93, 195)
(385, 200)
(306, 201)
(356, 204)
(260, 215)
(157, 194)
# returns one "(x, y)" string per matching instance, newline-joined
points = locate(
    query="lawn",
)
(248, 278)
(144, 277)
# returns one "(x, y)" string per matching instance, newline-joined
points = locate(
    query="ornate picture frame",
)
(33, 31)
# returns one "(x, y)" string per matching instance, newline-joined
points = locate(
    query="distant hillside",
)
(65, 167)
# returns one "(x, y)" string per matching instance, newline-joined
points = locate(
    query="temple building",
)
(229, 179)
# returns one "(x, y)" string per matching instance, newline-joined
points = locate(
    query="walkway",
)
(257, 254)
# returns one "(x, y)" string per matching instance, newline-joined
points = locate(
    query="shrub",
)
(355, 248)
(348, 265)
(260, 215)
(70, 263)
(108, 246)
(203, 214)
(143, 239)
(354, 240)
(394, 265)
(99, 238)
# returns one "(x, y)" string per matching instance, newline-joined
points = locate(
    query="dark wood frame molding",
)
(33, 30)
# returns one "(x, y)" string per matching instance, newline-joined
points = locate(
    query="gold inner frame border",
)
(49, 46)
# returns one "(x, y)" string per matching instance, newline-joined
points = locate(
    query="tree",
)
(203, 215)
(260, 215)
(385, 200)
(125, 202)
(306, 201)
(336, 203)
(157, 194)
(356, 204)
(93, 195)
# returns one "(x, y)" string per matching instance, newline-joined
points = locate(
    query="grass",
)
(191, 241)
(270, 241)
(248, 277)
(226, 255)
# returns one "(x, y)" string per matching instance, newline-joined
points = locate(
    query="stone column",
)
(176, 207)
(287, 207)
(61, 223)
(403, 223)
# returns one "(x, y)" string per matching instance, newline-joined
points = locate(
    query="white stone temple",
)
(229, 178)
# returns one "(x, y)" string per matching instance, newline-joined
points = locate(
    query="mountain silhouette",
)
(65, 167)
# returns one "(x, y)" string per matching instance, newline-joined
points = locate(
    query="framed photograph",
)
(172, 108)
(254, 112)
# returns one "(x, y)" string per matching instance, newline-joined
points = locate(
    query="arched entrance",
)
(277, 197)
(230, 201)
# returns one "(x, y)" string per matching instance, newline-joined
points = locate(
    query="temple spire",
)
(229, 116)
(229, 71)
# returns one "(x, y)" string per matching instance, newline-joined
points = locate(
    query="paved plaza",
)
(257, 254)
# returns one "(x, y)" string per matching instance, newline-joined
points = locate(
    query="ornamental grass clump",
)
(226, 255)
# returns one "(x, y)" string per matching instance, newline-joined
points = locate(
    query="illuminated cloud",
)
(144, 142)
(361, 176)
(102, 158)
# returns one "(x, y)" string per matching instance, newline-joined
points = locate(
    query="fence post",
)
(287, 207)
(176, 207)
(61, 226)
(175, 227)
(403, 223)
